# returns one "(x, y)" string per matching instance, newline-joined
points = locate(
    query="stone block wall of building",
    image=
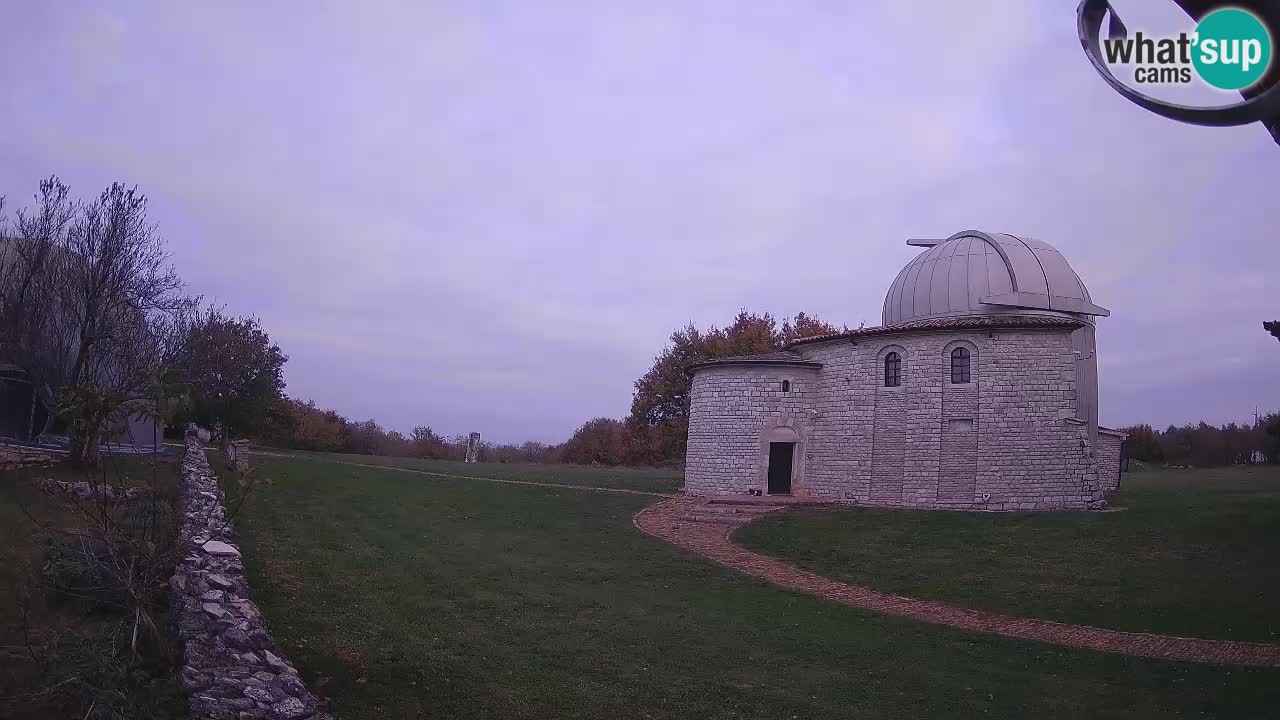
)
(1110, 444)
(958, 466)
(731, 408)
(1033, 456)
(838, 462)
(1003, 441)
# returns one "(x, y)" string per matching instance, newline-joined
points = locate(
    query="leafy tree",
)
(528, 452)
(361, 437)
(1272, 327)
(1205, 445)
(1143, 444)
(657, 427)
(1270, 426)
(596, 442)
(804, 326)
(424, 443)
(662, 393)
(313, 428)
(280, 424)
(393, 442)
(234, 373)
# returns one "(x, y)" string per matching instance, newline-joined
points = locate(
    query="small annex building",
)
(979, 391)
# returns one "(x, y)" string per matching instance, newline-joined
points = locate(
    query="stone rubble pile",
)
(85, 490)
(13, 457)
(232, 668)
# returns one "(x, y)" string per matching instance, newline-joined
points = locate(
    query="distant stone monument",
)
(473, 447)
(238, 455)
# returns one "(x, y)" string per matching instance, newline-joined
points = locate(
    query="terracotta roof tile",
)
(960, 322)
(780, 357)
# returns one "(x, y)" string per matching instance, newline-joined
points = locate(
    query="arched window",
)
(892, 370)
(960, 365)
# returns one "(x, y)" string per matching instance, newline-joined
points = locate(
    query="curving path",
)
(677, 522)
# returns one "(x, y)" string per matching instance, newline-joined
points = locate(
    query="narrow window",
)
(892, 370)
(786, 386)
(960, 365)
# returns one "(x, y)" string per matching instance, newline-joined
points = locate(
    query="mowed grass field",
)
(405, 595)
(658, 480)
(1194, 553)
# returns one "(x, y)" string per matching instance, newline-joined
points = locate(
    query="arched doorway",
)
(781, 443)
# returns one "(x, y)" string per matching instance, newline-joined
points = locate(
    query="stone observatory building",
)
(979, 391)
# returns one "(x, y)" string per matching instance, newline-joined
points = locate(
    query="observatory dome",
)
(981, 273)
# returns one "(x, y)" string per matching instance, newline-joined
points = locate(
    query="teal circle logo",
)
(1233, 49)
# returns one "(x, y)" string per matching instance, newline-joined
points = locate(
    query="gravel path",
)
(671, 521)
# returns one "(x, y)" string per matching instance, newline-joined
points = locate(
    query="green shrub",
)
(149, 517)
(77, 567)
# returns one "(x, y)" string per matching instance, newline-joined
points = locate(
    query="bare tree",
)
(90, 308)
(117, 283)
(33, 256)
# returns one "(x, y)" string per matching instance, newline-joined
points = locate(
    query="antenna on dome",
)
(923, 242)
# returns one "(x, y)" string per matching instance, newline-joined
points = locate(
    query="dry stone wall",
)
(13, 457)
(1007, 440)
(232, 668)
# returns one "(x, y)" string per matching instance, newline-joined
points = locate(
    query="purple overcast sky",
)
(490, 216)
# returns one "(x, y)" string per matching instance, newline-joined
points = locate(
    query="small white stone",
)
(219, 582)
(217, 547)
(214, 610)
(275, 663)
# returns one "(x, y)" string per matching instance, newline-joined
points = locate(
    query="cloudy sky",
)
(489, 216)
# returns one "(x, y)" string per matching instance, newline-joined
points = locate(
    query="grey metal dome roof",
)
(979, 273)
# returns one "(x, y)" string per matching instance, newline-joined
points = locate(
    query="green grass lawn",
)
(412, 596)
(647, 479)
(1195, 553)
(59, 657)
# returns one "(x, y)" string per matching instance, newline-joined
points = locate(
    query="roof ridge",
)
(955, 322)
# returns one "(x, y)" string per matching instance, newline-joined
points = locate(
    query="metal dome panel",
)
(974, 272)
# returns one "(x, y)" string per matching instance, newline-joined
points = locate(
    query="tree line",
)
(1205, 445)
(300, 425)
